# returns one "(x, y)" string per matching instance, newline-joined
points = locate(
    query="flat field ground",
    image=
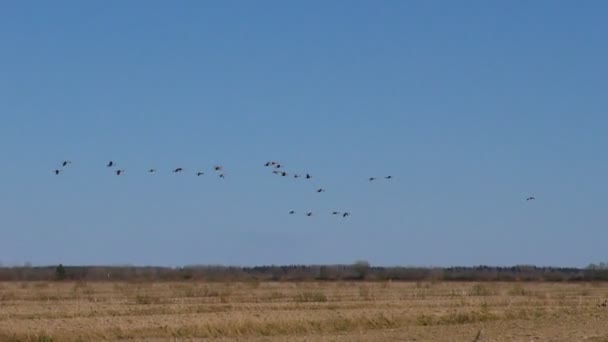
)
(307, 311)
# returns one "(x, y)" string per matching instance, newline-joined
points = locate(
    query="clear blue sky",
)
(471, 106)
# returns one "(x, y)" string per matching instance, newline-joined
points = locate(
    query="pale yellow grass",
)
(58, 311)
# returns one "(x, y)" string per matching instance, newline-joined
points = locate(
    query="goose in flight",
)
(308, 176)
(179, 169)
(335, 213)
(222, 175)
(110, 164)
(283, 174)
(371, 179)
(296, 176)
(309, 214)
(152, 170)
(531, 198)
(119, 172)
(388, 177)
(200, 173)
(217, 168)
(292, 212)
(320, 190)
(346, 214)
(65, 163)
(57, 172)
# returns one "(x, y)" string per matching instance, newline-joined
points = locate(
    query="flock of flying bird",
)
(119, 172)
(278, 169)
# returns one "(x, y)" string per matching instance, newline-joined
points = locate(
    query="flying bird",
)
(292, 212)
(222, 175)
(371, 179)
(57, 171)
(200, 173)
(152, 170)
(309, 214)
(321, 190)
(119, 172)
(273, 163)
(278, 166)
(335, 213)
(217, 168)
(275, 172)
(267, 164)
(110, 164)
(308, 176)
(283, 174)
(179, 169)
(531, 198)
(345, 214)
(66, 162)
(388, 177)
(296, 176)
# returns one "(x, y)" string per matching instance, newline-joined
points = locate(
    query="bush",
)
(60, 272)
(361, 269)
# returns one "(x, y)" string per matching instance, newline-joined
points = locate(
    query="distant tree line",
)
(359, 271)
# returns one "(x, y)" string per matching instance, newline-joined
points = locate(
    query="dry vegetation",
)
(303, 311)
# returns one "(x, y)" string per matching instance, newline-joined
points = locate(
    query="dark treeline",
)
(360, 271)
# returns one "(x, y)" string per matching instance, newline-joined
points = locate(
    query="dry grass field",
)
(308, 311)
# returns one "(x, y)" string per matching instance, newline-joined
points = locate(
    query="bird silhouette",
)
(335, 213)
(217, 168)
(65, 163)
(309, 214)
(278, 166)
(320, 190)
(110, 163)
(388, 177)
(531, 198)
(296, 176)
(119, 172)
(292, 212)
(308, 176)
(222, 175)
(275, 172)
(200, 173)
(371, 179)
(152, 170)
(273, 163)
(57, 172)
(346, 214)
(283, 174)
(179, 169)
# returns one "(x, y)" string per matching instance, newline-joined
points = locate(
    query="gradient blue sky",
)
(471, 106)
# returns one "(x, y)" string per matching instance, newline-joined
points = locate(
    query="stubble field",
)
(307, 311)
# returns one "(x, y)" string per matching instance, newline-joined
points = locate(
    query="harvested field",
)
(307, 311)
